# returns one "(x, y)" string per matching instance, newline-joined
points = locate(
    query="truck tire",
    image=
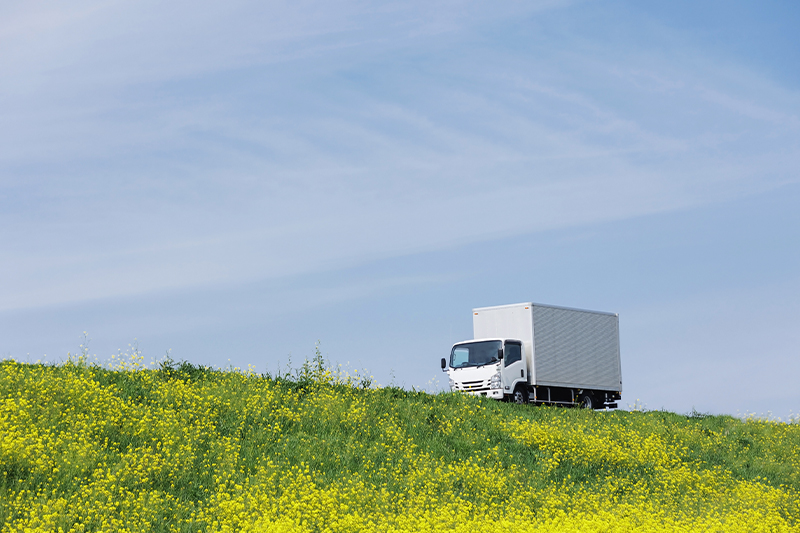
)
(520, 395)
(585, 401)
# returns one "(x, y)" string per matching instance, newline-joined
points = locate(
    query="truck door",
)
(513, 367)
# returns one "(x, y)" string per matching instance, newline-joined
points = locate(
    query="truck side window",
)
(512, 353)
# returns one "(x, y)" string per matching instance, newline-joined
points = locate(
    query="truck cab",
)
(495, 368)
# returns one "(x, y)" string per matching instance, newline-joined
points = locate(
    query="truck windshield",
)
(474, 354)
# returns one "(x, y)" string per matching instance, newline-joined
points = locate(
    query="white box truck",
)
(543, 354)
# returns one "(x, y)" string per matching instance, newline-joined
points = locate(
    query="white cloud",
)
(153, 147)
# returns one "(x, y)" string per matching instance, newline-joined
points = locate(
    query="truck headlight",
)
(495, 381)
(452, 385)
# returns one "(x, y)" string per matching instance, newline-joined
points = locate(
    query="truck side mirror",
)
(444, 364)
(500, 354)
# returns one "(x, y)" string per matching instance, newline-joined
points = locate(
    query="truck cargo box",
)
(564, 347)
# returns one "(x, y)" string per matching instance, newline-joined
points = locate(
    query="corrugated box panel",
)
(574, 348)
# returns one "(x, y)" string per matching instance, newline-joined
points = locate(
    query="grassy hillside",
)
(84, 448)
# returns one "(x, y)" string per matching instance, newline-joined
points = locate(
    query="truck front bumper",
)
(497, 394)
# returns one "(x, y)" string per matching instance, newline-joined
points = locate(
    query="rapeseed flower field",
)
(186, 448)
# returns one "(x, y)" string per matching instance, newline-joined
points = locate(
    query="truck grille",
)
(472, 386)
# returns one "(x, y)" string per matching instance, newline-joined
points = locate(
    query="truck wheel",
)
(520, 395)
(586, 401)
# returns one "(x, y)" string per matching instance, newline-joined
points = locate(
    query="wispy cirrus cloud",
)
(150, 147)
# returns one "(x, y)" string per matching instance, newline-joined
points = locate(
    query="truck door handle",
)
(522, 373)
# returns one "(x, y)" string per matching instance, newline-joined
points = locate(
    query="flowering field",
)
(83, 448)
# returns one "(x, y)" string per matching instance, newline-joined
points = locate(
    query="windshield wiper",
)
(469, 365)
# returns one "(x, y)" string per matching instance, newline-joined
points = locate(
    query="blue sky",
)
(237, 181)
